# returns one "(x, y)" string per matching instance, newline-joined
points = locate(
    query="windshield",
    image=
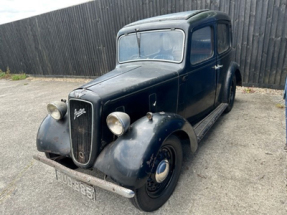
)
(163, 45)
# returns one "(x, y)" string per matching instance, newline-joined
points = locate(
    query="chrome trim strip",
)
(88, 179)
(92, 138)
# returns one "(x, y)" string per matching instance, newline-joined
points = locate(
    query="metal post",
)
(284, 97)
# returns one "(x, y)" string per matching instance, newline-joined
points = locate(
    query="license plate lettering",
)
(70, 183)
(89, 192)
(77, 186)
(84, 189)
(64, 178)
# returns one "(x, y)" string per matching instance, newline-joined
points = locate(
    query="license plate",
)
(84, 189)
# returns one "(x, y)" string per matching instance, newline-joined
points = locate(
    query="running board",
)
(202, 127)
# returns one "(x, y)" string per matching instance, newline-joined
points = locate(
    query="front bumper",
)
(88, 179)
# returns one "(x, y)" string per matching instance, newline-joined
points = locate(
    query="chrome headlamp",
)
(57, 109)
(118, 122)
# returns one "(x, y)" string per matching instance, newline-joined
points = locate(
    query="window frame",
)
(211, 26)
(229, 37)
(162, 60)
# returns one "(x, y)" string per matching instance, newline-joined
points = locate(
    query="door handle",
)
(217, 66)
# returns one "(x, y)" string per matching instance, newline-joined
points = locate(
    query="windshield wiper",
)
(139, 41)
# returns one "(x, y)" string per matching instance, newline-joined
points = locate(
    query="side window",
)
(223, 38)
(201, 45)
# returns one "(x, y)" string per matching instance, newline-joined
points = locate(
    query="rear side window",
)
(223, 38)
(201, 45)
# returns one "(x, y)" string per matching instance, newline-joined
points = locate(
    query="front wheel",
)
(231, 95)
(162, 182)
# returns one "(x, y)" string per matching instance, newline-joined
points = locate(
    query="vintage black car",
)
(173, 78)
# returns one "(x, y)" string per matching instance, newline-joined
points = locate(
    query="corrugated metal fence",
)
(80, 40)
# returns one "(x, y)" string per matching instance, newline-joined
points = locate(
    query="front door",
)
(200, 80)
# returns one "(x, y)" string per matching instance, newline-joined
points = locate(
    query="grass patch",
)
(5, 75)
(248, 90)
(14, 77)
(19, 77)
(2, 74)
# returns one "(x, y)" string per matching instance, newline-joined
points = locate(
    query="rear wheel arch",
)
(238, 77)
(233, 70)
(231, 94)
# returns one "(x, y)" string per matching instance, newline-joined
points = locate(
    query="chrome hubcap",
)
(162, 171)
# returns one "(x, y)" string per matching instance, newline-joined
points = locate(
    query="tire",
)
(231, 95)
(152, 195)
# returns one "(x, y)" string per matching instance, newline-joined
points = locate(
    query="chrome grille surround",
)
(75, 152)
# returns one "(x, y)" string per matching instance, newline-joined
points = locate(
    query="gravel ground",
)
(239, 168)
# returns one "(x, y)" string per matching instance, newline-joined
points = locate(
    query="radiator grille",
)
(81, 125)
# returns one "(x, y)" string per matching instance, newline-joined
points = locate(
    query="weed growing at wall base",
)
(14, 77)
(2, 74)
(19, 77)
(5, 75)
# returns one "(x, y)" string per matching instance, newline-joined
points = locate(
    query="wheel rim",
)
(153, 188)
(162, 171)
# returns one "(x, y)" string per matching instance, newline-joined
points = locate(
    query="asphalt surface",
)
(239, 168)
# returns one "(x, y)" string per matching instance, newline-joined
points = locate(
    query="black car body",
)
(178, 69)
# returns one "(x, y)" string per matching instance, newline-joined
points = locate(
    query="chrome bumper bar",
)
(87, 178)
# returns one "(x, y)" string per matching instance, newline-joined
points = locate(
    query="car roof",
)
(172, 16)
(204, 15)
